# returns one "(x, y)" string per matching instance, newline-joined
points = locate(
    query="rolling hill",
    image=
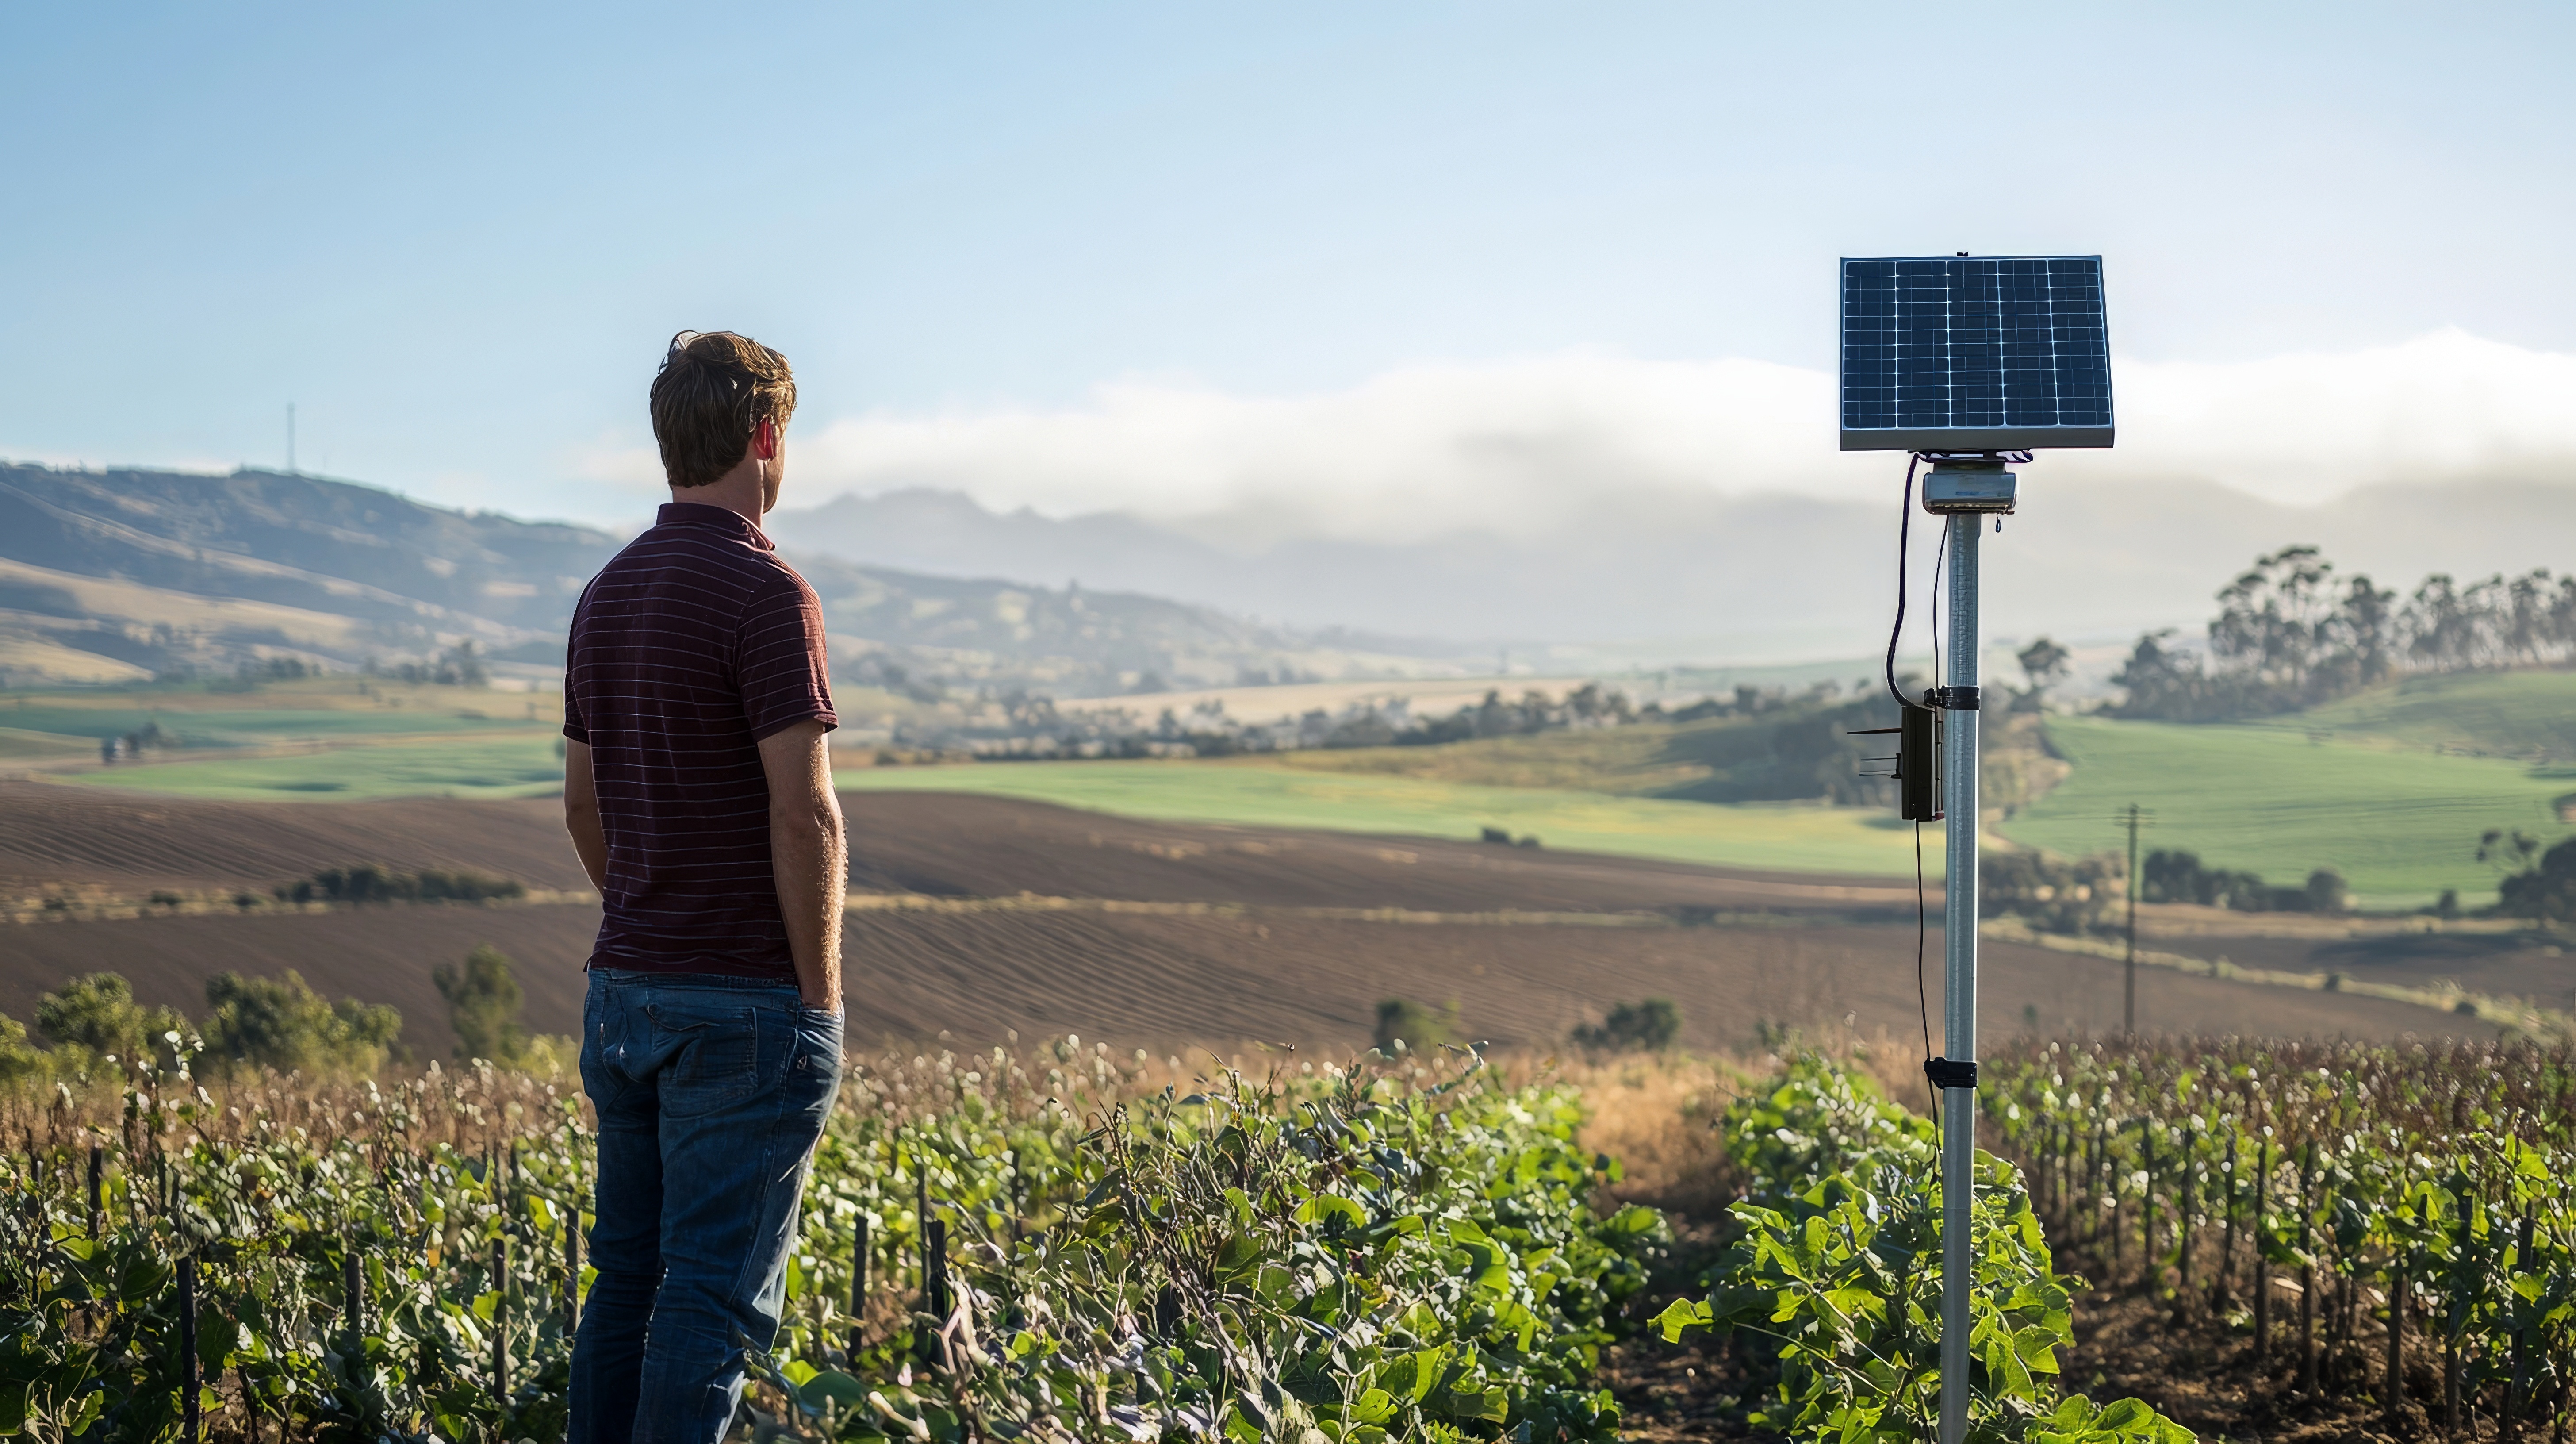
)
(124, 575)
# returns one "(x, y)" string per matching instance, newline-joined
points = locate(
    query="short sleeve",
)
(574, 726)
(783, 669)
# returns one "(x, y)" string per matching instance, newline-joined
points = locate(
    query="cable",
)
(1922, 996)
(1940, 554)
(1904, 526)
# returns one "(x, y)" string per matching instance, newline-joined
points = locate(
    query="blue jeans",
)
(711, 1092)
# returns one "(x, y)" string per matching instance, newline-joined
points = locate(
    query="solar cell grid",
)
(1974, 353)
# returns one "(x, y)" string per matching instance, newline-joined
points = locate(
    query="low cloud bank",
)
(1522, 448)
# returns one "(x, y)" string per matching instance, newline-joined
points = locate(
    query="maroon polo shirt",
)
(691, 646)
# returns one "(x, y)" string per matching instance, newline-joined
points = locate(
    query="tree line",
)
(2291, 632)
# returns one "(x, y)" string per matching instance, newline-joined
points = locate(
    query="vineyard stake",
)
(353, 1289)
(2182, 1220)
(188, 1380)
(2452, 1321)
(1959, 974)
(2262, 1257)
(2218, 1291)
(2514, 1388)
(934, 1290)
(572, 1270)
(858, 1286)
(97, 1190)
(2149, 1271)
(2307, 1272)
(2396, 1350)
(501, 1323)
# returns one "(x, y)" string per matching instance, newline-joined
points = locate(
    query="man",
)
(698, 789)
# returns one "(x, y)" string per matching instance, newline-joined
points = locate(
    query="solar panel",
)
(1974, 353)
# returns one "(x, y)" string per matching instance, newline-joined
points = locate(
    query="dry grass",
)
(1658, 1113)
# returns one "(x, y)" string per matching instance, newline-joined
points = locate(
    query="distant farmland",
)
(1775, 837)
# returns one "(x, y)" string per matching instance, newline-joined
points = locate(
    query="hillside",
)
(124, 575)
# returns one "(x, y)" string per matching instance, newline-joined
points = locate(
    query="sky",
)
(1326, 267)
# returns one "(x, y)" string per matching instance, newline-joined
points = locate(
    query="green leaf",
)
(831, 1386)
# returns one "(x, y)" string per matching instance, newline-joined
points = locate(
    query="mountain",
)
(1668, 576)
(125, 574)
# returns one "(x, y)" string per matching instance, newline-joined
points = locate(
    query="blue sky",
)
(456, 236)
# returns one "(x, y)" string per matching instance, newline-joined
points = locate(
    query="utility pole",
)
(2129, 984)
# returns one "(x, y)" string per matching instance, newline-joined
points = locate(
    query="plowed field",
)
(994, 914)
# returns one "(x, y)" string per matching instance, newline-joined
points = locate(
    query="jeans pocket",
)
(712, 1053)
(818, 1041)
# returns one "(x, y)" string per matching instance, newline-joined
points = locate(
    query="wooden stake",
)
(2262, 1264)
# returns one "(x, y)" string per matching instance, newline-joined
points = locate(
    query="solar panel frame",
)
(1973, 353)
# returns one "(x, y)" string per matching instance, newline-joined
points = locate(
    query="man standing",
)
(698, 789)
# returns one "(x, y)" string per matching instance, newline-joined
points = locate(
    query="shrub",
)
(19, 1059)
(282, 1023)
(366, 882)
(483, 1006)
(97, 1014)
(1648, 1026)
(1400, 1020)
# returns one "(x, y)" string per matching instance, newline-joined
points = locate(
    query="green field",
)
(2390, 788)
(1789, 837)
(516, 764)
(2400, 823)
(2530, 716)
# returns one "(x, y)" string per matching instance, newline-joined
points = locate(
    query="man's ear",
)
(764, 439)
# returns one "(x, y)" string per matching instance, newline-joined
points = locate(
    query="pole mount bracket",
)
(1951, 699)
(1951, 1073)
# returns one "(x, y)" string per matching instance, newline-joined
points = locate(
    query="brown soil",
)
(1735, 950)
(51, 833)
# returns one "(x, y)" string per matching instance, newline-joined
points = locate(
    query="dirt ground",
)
(1270, 953)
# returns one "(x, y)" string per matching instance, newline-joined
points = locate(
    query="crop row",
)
(2392, 1225)
(1834, 1279)
(994, 1247)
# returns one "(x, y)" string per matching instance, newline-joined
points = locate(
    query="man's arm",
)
(581, 813)
(809, 855)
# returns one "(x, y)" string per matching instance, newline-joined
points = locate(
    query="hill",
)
(128, 574)
(2391, 787)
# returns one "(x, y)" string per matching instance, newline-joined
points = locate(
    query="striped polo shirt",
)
(691, 646)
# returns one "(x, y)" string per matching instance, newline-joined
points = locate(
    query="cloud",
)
(1521, 448)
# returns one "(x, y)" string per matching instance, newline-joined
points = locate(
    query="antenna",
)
(1968, 362)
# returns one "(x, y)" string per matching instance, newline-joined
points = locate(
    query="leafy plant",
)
(1838, 1270)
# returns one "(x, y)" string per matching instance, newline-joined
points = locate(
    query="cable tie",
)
(1948, 1073)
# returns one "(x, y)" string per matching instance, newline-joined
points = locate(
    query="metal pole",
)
(1959, 979)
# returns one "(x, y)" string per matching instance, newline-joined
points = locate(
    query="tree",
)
(2507, 852)
(282, 1023)
(1648, 1026)
(97, 1014)
(2544, 891)
(2327, 892)
(483, 1006)
(2270, 619)
(2044, 662)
